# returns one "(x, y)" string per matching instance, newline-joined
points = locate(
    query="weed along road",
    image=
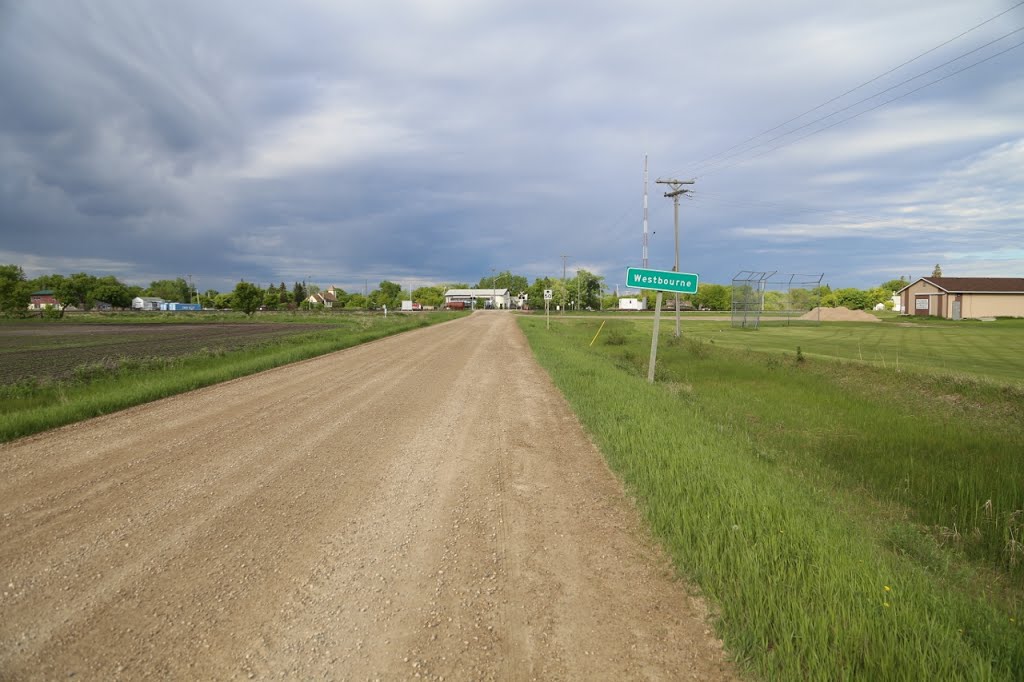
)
(422, 506)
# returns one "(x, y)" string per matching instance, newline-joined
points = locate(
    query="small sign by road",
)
(548, 293)
(662, 280)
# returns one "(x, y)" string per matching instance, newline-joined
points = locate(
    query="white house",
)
(632, 304)
(147, 303)
(498, 298)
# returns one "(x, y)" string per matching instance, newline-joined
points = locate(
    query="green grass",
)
(795, 492)
(989, 350)
(102, 388)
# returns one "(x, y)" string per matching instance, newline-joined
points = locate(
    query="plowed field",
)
(53, 351)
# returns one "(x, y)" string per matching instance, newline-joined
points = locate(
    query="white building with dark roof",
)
(498, 298)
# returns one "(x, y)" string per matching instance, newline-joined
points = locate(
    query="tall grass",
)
(102, 388)
(804, 552)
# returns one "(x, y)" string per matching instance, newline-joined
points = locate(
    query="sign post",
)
(548, 293)
(654, 340)
(660, 281)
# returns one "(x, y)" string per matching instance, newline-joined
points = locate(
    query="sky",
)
(341, 142)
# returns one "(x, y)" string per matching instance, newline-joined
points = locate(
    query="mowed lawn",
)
(991, 350)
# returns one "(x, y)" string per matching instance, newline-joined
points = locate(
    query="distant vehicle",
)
(411, 305)
(456, 305)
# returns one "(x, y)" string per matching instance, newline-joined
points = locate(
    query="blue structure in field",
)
(180, 306)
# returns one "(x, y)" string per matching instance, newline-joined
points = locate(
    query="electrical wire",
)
(881, 92)
(861, 113)
(707, 159)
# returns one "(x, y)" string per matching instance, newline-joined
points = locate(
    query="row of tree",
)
(583, 290)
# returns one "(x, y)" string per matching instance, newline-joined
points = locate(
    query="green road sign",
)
(661, 280)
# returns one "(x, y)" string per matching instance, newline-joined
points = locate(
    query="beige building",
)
(956, 298)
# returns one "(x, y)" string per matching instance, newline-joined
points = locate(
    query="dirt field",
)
(40, 350)
(422, 506)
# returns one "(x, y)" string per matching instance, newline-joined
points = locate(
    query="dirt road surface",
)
(425, 506)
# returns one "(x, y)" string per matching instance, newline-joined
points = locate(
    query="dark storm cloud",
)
(343, 142)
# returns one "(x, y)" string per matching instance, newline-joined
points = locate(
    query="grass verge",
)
(118, 383)
(819, 567)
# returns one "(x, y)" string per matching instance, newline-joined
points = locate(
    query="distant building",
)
(38, 300)
(956, 298)
(630, 303)
(174, 306)
(147, 303)
(325, 298)
(498, 298)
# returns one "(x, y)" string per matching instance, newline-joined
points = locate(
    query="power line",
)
(877, 106)
(864, 84)
(881, 92)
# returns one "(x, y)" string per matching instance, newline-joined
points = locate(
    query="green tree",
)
(110, 290)
(77, 290)
(170, 290)
(800, 299)
(876, 296)
(356, 302)
(341, 297)
(854, 299)
(894, 285)
(937, 272)
(388, 294)
(535, 292)
(774, 300)
(44, 282)
(299, 292)
(503, 280)
(14, 291)
(247, 297)
(429, 296)
(713, 297)
(271, 298)
(224, 301)
(585, 289)
(283, 297)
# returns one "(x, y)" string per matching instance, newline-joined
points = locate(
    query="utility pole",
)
(563, 283)
(676, 192)
(645, 212)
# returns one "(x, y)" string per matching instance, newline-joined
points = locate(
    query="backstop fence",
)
(770, 296)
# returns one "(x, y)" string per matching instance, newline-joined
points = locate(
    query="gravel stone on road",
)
(423, 506)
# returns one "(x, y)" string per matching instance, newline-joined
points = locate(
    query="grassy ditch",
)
(847, 522)
(119, 381)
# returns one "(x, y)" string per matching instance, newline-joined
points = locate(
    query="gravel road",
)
(425, 506)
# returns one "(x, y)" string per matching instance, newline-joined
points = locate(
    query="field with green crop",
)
(847, 519)
(55, 372)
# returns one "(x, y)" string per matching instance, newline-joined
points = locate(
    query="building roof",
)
(975, 285)
(151, 299)
(42, 292)
(475, 293)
